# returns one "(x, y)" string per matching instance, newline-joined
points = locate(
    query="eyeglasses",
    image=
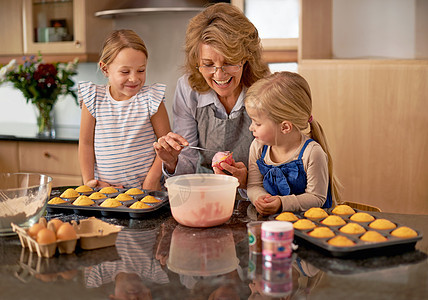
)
(226, 69)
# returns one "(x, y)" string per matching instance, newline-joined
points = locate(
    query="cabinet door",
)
(11, 23)
(54, 26)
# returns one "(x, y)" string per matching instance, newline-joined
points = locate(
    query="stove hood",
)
(134, 7)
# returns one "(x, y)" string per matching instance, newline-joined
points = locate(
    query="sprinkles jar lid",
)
(277, 226)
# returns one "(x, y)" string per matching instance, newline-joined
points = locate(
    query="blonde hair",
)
(287, 96)
(224, 27)
(118, 40)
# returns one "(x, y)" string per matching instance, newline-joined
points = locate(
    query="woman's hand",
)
(267, 204)
(237, 169)
(168, 148)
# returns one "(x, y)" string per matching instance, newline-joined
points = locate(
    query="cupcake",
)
(303, 224)
(134, 191)
(109, 202)
(286, 216)
(315, 213)
(333, 221)
(404, 232)
(139, 205)
(343, 209)
(83, 201)
(57, 200)
(84, 189)
(373, 236)
(150, 199)
(108, 190)
(361, 217)
(341, 241)
(97, 196)
(352, 228)
(321, 232)
(382, 224)
(124, 197)
(70, 193)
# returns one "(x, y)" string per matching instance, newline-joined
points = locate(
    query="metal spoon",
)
(199, 148)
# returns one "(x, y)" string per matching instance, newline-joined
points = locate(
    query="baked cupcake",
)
(333, 221)
(321, 232)
(315, 213)
(134, 191)
(343, 209)
(84, 189)
(109, 202)
(124, 197)
(404, 232)
(361, 217)
(83, 201)
(57, 200)
(139, 205)
(373, 236)
(108, 190)
(97, 196)
(150, 199)
(70, 193)
(382, 224)
(341, 241)
(303, 224)
(286, 216)
(352, 228)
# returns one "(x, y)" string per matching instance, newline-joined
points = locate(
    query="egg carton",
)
(92, 233)
(391, 245)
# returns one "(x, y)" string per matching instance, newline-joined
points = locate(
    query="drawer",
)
(49, 158)
(9, 156)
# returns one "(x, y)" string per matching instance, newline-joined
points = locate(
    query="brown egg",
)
(45, 236)
(56, 223)
(66, 232)
(33, 230)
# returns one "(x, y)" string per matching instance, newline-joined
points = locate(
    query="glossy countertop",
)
(28, 132)
(161, 259)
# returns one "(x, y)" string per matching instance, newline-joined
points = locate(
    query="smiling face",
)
(264, 129)
(126, 74)
(224, 84)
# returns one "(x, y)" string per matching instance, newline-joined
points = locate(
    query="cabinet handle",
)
(77, 44)
(47, 155)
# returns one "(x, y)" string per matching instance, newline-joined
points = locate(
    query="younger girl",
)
(121, 120)
(290, 167)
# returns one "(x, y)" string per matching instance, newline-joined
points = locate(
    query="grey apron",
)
(222, 135)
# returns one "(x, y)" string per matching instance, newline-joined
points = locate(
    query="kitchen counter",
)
(28, 132)
(166, 260)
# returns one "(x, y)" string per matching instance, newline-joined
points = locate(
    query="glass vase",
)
(45, 122)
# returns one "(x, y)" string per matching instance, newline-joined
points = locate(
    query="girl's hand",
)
(93, 183)
(237, 169)
(168, 148)
(267, 204)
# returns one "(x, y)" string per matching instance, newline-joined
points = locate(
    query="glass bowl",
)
(23, 199)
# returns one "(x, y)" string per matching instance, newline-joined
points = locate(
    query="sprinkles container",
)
(277, 237)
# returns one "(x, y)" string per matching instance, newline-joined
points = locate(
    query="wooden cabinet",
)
(58, 160)
(373, 112)
(59, 30)
(11, 27)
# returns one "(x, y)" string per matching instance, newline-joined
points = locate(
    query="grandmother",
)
(223, 59)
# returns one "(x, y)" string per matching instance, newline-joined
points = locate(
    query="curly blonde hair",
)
(225, 28)
(287, 96)
(118, 40)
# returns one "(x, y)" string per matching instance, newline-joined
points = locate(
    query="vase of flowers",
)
(41, 84)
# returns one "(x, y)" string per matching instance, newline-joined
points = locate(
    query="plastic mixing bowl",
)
(23, 199)
(202, 200)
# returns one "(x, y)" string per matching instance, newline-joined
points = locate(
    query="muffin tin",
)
(120, 211)
(392, 244)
